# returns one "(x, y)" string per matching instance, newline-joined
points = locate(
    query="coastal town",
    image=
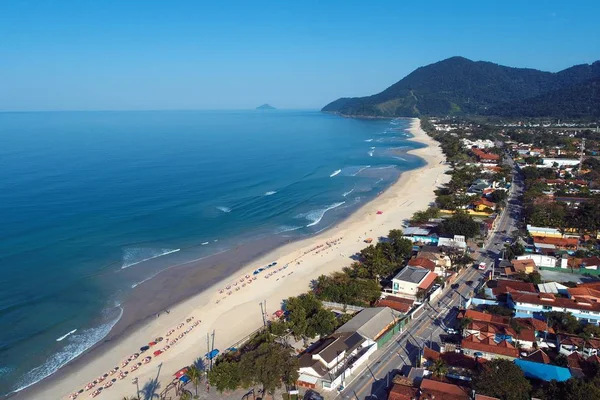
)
(489, 293)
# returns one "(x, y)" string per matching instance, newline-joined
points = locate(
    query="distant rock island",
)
(266, 107)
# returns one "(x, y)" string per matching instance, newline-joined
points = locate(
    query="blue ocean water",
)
(93, 203)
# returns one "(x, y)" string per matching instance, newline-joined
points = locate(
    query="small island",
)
(266, 107)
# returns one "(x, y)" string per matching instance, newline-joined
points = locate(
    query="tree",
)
(225, 375)
(270, 365)
(439, 368)
(195, 376)
(464, 323)
(460, 224)
(502, 379)
(562, 321)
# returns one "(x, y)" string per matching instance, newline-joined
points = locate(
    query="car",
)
(469, 283)
(455, 286)
(451, 331)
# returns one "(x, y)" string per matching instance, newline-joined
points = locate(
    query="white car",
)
(451, 331)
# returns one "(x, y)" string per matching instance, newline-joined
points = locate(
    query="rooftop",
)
(422, 262)
(488, 345)
(543, 372)
(399, 304)
(370, 322)
(412, 274)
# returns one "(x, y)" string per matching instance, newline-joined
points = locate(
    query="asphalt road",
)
(374, 381)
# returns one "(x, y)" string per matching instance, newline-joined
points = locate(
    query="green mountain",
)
(266, 107)
(461, 86)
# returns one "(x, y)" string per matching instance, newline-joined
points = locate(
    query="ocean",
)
(94, 203)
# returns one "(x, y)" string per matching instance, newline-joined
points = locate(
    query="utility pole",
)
(581, 156)
(212, 348)
(262, 313)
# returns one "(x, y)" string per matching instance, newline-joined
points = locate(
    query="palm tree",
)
(185, 395)
(464, 322)
(195, 376)
(439, 368)
(130, 398)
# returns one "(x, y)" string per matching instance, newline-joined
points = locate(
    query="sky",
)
(132, 55)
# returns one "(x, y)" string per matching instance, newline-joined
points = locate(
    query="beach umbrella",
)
(180, 373)
(151, 344)
(144, 348)
(212, 354)
(379, 212)
(157, 353)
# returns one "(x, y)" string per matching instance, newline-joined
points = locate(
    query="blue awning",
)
(543, 372)
(184, 379)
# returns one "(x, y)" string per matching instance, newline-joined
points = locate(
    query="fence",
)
(341, 307)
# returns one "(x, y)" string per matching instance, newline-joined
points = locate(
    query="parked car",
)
(451, 331)
(470, 283)
(455, 286)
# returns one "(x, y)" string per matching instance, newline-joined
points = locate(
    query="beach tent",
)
(212, 354)
(379, 212)
(181, 372)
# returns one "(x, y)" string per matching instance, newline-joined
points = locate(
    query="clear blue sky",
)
(82, 55)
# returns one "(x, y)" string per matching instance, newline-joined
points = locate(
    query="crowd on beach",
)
(135, 362)
(271, 270)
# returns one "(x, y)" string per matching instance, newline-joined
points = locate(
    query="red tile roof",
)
(402, 392)
(483, 397)
(484, 317)
(573, 340)
(559, 242)
(443, 390)
(488, 345)
(523, 265)
(431, 354)
(585, 292)
(575, 360)
(428, 281)
(581, 262)
(535, 324)
(538, 356)
(485, 202)
(396, 303)
(422, 262)
(504, 286)
(548, 299)
(483, 155)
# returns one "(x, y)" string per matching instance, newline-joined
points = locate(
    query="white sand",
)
(239, 314)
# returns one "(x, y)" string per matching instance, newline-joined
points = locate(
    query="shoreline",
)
(237, 315)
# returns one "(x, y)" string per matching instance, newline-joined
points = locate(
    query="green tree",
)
(225, 375)
(195, 376)
(502, 379)
(562, 321)
(270, 365)
(460, 224)
(439, 368)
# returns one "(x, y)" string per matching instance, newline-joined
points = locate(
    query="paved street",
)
(374, 381)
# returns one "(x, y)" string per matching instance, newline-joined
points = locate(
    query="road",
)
(374, 381)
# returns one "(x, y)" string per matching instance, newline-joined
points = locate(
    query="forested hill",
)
(461, 86)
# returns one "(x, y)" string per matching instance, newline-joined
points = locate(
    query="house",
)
(327, 364)
(536, 304)
(568, 344)
(517, 267)
(554, 244)
(423, 262)
(543, 232)
(488, 348)
(410, 280)
(540, 260)
(558, 162)
(478, 187)
(483, 204)
(501, 287)
(399, 304)
(458, 242)
(417, 234)
(552, 287)
(404, 389)
(584, 263)
(485, 157)
(538, 356)
(526, 337)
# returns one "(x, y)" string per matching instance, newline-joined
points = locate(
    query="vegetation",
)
(346, 288)
(306, 317)
(423, 216)
(498, 310)
(460, 224)
(502, 379)
(461, 86)
(270, 365)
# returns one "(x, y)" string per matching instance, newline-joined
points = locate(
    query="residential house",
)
(526, 336)
(418, 234)
(552, 244)
(404, 389)
(427, 264)
(437, 255)
(485, 157)
(540, 260)
(589, 263)
(483, 205)
(488, 348)
(543, 231)
(568, 344)
(456, 242)
(328, 363)
(517, 267)
(536, 304)
(558, 162)
(400, 304)
(410, 280)
(538, 356)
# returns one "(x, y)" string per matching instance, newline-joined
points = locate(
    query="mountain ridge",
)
(458, 85)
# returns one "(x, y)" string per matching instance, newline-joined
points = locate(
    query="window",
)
(548, 308)
(585, 312)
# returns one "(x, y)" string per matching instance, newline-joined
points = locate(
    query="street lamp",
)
(135, 381)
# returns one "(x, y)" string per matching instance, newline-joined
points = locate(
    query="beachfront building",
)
(418, 234)
(412, 280)
(458, 242)
(331, 361)
(437, 255)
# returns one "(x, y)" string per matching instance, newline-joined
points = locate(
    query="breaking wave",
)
(347, 193)
(269, 193)
(337, 171)
(138, 255)
(369, 140)
(361, 170)
(66, 335)
(78, 344)
(224, 209)
(315, 216)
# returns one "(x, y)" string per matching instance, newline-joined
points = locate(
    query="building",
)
(417, 234)
(536, 304)
(569, 344)
(411, 280)
(558, 162)
(544, 372)
(552, 244)
(456, 242)
(437, 255)
(517, 267)
(543, 232)
(488, 348)
(526, 337)
(405, 389)
(540, 260)
(483, 204)
(399, 304)
(327, 364)
(589, 263)
(485, 157)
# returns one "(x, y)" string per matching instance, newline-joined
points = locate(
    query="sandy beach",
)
(231, 307)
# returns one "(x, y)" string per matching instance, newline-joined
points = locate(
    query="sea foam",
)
(315, 216)
(269, 193)
(224, 209)
(336, 172)
(136, 255)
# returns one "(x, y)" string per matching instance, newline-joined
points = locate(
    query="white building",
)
(540, 260)
(561, 162)
(408, 281)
